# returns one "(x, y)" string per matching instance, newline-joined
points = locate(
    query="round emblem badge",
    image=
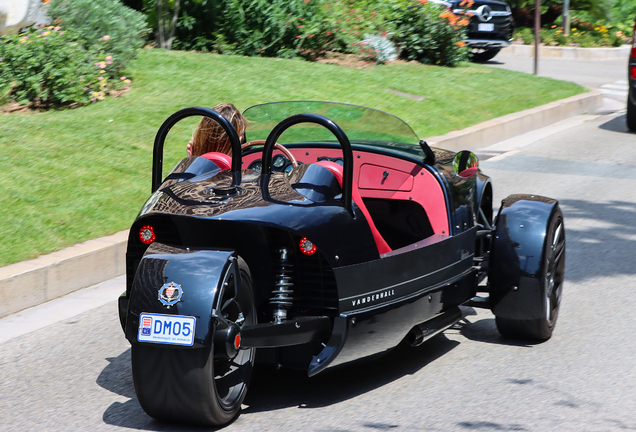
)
(170, 294)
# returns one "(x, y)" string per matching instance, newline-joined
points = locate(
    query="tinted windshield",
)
(362, 125)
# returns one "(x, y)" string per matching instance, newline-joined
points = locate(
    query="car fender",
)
(517, 256)
(198, 274)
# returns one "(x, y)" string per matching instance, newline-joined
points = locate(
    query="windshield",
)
(363, 126)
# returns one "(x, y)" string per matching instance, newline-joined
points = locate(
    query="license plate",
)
(166, 329)
(485, 27)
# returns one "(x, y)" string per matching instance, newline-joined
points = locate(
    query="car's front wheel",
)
(551, 288)
(631, 112)
(194, 385)
(481, 55)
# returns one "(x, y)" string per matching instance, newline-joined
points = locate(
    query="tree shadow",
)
(617, 124)
(604, 241)
(272, 389)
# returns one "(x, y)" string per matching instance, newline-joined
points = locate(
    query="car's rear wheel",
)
(631, 112)
(552, 277)
(191, 385)
(481, 55)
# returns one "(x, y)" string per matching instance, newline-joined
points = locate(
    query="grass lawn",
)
(72, 175)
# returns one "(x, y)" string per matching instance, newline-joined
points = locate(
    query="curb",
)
(570, 53)
(508, 126)
(30, 283)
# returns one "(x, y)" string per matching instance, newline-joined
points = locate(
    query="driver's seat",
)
(221, 160)
(338, 172)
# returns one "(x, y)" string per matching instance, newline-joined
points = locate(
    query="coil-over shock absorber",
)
(282, 300)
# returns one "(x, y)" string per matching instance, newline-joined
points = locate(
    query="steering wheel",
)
(286, 152)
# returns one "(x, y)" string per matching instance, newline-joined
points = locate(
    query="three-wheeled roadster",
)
(331, 235)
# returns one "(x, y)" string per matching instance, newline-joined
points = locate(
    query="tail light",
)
(307, 247)
(146, 234)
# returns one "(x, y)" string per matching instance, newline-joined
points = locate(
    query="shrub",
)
(280, 28)
(428, 33)
(93, 19)
(50, 67)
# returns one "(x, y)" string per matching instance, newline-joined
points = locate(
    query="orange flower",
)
(423, 1)
(460, 43)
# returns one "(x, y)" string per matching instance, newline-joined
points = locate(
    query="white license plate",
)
(166, 329)
(485, 27)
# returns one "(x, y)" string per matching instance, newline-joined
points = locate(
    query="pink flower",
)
(57, 28)
(328, 32)
(300, 26)
(108, 58)
(100, 78)
(298, 37)
(106, 38)
(122, 78)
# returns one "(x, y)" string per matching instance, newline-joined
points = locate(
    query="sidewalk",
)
(30, 283)
(572, 53)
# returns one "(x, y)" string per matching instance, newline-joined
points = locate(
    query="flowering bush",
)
(50, 67)
(92, 19)
(582, 33)
(428, 33)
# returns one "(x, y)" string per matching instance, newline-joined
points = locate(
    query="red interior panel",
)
(379, 177)
(425, 188)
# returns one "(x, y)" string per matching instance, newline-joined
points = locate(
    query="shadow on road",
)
(294, 388)
(271, 389)
(617, 124)
(604, 242)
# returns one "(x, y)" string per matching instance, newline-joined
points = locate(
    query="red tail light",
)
(307, 247)
(146, 234)
(632, 71)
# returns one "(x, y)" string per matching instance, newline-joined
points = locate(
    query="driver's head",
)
(209, 136)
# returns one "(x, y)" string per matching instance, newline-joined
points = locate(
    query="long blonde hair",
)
(209, 136)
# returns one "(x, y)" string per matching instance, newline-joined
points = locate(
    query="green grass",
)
(72, 175)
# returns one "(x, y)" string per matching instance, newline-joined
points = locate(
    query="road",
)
(609, 76)
(60, 372)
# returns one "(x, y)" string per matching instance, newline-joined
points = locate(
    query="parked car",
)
(631, 76)
(333, 235)
(491, 25)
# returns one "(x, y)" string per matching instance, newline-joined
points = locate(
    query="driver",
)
(209, 136)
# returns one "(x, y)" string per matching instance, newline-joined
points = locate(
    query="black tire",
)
(190, 385)
(552, 282)
(631, 112)
(481, 55)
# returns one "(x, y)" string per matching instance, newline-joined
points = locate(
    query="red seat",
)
(337, 170)
(222, 160)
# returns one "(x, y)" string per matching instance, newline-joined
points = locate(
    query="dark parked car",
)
(631, 76)
(333, 235)
(491, 25)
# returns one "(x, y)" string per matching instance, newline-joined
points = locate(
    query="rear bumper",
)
(487, 43)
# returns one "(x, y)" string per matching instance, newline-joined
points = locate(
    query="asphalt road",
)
(609, 76)
(74, 374)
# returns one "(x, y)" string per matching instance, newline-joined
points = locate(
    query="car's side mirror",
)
(465, 164)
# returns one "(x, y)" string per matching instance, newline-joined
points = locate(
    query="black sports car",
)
(333, 235)
(491, 25)
(631, 76)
